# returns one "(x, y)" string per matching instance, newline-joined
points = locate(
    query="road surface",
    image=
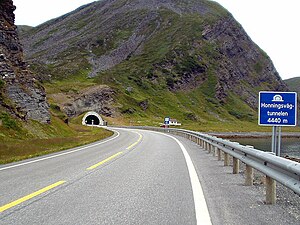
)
(133, 177)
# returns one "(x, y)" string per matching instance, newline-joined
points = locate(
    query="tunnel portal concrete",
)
(92, 119)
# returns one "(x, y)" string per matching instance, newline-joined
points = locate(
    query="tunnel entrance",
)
(93, 119)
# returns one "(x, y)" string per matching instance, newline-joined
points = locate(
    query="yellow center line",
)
(135, 143)
(115, 155)
(25, 198)
(104, 161)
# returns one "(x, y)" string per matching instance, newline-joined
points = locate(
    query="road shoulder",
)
(228, 199)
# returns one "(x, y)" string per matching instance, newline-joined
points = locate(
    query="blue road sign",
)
(277, 108)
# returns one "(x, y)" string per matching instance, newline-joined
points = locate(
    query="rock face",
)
(20, 93)
(98, 99)
(240, 60)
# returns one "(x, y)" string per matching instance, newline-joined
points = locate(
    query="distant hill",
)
(294, 84)
(142, 60)
(23, 28)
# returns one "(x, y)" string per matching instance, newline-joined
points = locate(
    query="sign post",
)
(277, 109)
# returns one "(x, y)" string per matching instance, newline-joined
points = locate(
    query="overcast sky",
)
(272, 24)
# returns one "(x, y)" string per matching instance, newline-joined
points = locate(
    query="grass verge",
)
(47, 140)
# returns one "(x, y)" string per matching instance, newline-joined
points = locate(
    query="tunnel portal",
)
(92, 119)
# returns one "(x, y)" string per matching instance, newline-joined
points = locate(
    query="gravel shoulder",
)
(231, 202)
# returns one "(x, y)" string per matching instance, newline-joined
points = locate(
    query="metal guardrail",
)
(275, 168)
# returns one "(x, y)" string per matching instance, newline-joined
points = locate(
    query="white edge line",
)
(201, 209)
(60, 154)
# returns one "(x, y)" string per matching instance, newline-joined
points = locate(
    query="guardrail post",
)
(249, 175)
(226, 159)
(236, 165)
(209, 148)
(215, 151)
(270, 191)
(219, 154)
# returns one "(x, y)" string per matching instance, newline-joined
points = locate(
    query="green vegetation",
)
(237, 108)
(19, 140)
(74, 84)
(1, 84)
(105, 44)
(258, 67)
(1, 87)
(294, 84)
(8, 122)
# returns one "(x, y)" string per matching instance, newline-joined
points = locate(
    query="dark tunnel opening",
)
(92, 120)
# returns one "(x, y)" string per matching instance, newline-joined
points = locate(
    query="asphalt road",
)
(135, 177)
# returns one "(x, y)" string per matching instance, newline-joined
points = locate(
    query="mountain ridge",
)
(178, 49)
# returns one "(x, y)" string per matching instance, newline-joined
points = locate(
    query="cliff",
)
(20, 94)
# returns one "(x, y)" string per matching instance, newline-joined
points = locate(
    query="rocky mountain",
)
(20, 94)
(188, 59)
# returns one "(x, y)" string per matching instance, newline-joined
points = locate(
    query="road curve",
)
(134, 177)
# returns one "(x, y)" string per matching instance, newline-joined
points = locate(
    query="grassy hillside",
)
(24, 28)
(21, 140)
(294, 84)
